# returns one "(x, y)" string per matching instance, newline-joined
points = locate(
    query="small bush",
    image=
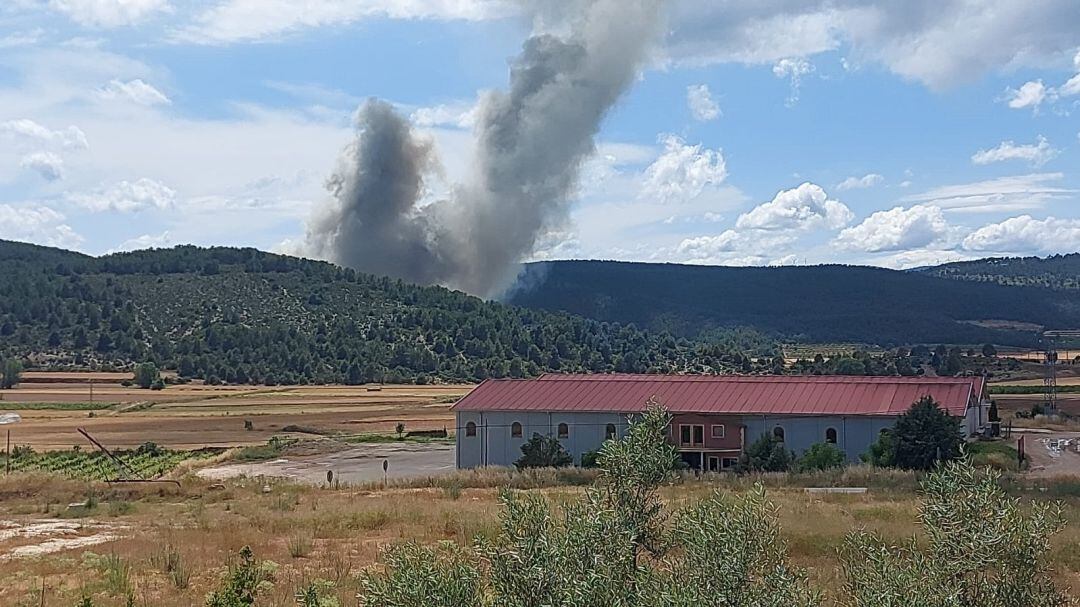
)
(766, 454)
(543, 452)
(300, 546)
(590, 459)
(821, 456)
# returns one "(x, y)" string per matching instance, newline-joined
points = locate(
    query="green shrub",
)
(766, 454)
(590, 459)
(242, 584)
(821, 456)
(543, 452)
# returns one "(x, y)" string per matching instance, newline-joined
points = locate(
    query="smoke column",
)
(531, 142)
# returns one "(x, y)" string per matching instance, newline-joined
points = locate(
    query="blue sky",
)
(766, 132)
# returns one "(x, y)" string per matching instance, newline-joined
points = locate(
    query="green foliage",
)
(989, 350)
(882, 452)
(981, 549)
(242, 584)
(590, 459)
(766, 454)
(149, 461)
(821, 456)
(442, 576)
(312, 595)
(11, 371)
(543, 452)
(926, 435)
(146, 374)
(1058, 272)
(265, 318)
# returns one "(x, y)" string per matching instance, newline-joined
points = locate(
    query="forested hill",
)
(241, 315)
(811, 303)
(1060, 272)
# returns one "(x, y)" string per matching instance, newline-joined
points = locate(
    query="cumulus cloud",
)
(46, 164)
(793, 69)
(1002, 194)
(135, 91)
(108, 13)
(896, 229)
(39, 224)
(127, 196)
(734, 247)
(146, 241)
(1038, 153)
(804, 207)
(702, 105)
(1026, 235)
(70, 138)
(457, 115)
(683, 171)
(1029, 95)
(859, 183)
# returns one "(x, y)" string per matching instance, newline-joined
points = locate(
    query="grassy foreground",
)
(174, 545)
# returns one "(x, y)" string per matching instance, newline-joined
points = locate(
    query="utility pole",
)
(7, 454)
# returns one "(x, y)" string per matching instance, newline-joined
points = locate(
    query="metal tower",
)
(1050, 364)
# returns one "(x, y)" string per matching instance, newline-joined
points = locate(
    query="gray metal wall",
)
(854, 435)
(494, 446)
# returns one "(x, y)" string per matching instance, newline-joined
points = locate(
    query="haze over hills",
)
(811, 303)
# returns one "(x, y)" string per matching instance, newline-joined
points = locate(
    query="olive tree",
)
(981, 549)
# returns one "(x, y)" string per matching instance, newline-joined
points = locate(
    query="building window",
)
(470, 429)
(778, 433)
(830, 436)
(515, 430)
(609, 432)
(730, 462)
(564, 431)
(692, 435)
(718, 431)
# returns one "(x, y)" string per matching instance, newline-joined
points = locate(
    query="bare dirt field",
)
(361, 464)
(194, 415)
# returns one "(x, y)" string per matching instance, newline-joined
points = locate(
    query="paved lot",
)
(354, 465)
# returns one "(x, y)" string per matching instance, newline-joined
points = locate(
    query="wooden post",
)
(7, 454)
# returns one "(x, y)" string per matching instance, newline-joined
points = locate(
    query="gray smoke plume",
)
(531, 142)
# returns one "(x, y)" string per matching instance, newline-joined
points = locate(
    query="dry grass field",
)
(53, 405)
(169, 547)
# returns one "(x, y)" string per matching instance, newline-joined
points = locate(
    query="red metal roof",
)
(733, 394)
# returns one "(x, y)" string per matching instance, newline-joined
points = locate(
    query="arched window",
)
(609, 432)
(564, 431)
(470, 429)
(830, 435)
(778, 433)
(515, 430)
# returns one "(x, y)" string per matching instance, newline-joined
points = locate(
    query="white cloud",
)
(108, 13)
(702, 105)
(683, 171)
(460, 115)
(38, 224)
(1030, 94)
(918, 258)
(146, 241)
(734, 247)
(127, 196)
(135, 91)
(1003, 194)
(793, 69)
(46, 164)
(858, 183)
(71, 138)
(249, 20)
(896, 229)
(804, 207)
(1026, 235)
(1037, 154)
(20, 39)
(936, 42)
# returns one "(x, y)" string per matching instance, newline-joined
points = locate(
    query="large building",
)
(714, 417)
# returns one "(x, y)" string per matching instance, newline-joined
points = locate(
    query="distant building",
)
(714, 417)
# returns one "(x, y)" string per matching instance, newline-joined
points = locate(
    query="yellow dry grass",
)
(331, 534)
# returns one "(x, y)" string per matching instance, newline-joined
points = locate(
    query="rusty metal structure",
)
(125, 473)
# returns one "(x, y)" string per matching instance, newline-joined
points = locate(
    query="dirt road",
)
(1052, 453)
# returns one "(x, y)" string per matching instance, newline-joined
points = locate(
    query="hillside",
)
(807, 303)
(1061, 272)
(245, 316)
